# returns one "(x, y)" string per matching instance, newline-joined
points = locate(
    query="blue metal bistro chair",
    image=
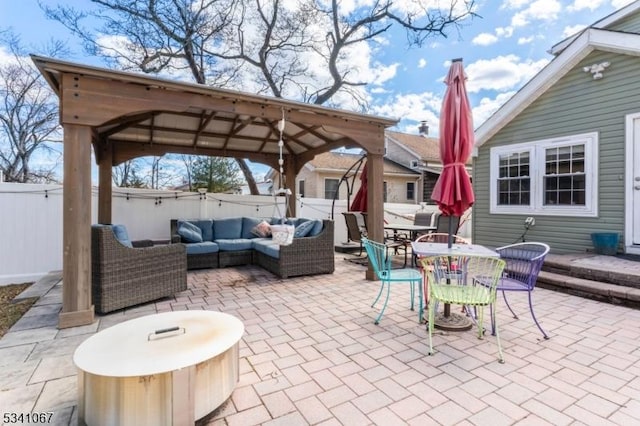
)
(381, 263)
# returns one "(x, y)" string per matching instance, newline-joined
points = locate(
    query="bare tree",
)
(28, 116)
(263, 46)
(188, 161)
(127, 175)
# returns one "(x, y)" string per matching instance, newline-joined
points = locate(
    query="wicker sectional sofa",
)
(231, 242)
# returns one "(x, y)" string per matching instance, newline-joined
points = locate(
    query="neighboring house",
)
(565, 149)
(320, 177)
(416, 152)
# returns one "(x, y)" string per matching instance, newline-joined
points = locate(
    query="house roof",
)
(603, 23)
(342, 161)
(589, 40)
(424, 148)
(154, 116)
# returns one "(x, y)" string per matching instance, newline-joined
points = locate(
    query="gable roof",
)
(342, 161)
(603, 23)
(589, 40)
(422, 147)
(141, 115)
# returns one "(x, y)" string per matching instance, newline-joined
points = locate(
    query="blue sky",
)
(502, 50)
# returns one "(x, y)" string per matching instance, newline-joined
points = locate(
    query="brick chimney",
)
(423, 129)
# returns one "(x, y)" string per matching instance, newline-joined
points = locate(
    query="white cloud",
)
(504, 32)
(539, 10)
(585, 4)
(422, 63)
(620, 3)
(513, 4)
(412, 107)
(488, 106)
(569, 31)
(484, 39)
(501, 73)
(525, 40)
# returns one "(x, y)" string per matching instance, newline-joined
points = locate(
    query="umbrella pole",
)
(448, 321)
(447, 307)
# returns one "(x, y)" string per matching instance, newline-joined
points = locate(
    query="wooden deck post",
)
(76, 263)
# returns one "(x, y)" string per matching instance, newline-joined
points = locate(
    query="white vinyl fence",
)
(31, 219)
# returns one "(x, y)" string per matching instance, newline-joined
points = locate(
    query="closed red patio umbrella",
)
(359, 203)
(453, 191)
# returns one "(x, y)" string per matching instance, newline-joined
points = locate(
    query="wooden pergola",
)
(125, 115)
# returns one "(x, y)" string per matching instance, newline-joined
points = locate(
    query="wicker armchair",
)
(122, 276)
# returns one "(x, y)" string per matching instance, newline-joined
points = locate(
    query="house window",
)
(384, 192)
(411, 190)
(301, 188)
(564, 178)
(548, 177)
(514, 180)
(330, 188)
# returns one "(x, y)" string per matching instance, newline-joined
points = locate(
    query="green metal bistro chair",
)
(381, 262)
(475, 285)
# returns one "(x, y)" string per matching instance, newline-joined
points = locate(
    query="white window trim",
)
(536, 151)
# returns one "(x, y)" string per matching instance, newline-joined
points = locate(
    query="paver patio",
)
(312, 355)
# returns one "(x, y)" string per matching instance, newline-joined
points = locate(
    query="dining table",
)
(412, 229)
(447, 320)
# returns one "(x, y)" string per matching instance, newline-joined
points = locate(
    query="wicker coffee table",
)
(162, 369)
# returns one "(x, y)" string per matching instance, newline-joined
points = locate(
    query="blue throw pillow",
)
(303, 229)
(190, 232)
(121, 235)
(318, 226)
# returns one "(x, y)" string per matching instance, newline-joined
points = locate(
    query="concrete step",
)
(603, 269)
(597, 290)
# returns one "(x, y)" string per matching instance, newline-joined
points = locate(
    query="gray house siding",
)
(630, 24)
(576, 104)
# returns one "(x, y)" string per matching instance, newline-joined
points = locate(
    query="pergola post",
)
(76, 277)
(375, 202)
(105, 183)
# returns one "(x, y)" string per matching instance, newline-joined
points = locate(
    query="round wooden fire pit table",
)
(161, 369)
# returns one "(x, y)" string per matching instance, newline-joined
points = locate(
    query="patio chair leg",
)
(379, 293)
(492, 314)
(385, 304)
(504, 296)
(432, 310)
(535, 320)
(412, 293)
(500, 355)
(420, 305)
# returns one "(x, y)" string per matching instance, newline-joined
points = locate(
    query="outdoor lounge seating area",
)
(213, 243)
